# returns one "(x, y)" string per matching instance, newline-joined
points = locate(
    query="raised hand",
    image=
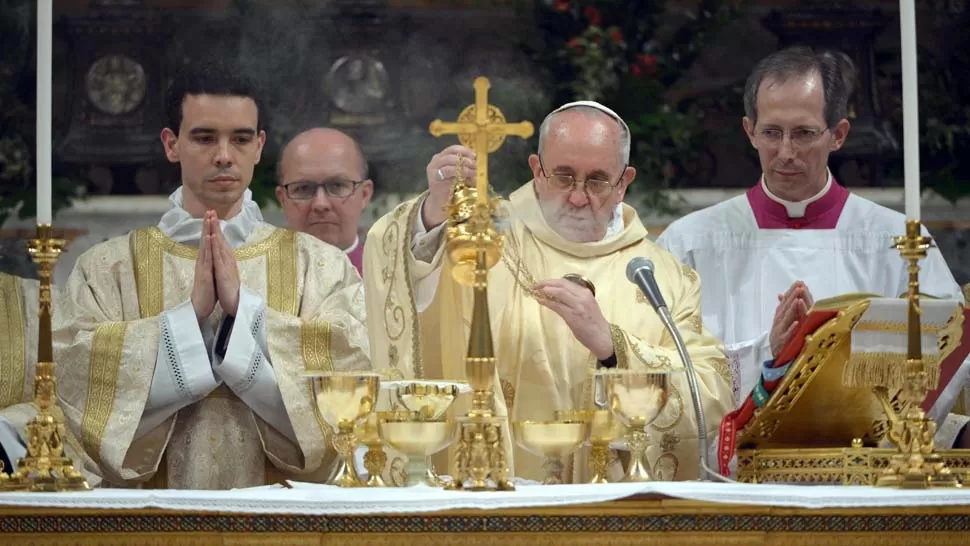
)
(578, 307)
(792, 309)
(225, 269)
(441, 172)
(203, 287)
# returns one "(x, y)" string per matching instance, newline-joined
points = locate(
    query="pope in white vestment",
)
(752, 248)
(136, 381)
(419, 318)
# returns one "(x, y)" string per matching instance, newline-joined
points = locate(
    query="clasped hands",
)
(793, 307)
(577, 306)
(216, 272)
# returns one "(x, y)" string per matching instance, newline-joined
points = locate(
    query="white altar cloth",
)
(314, 499)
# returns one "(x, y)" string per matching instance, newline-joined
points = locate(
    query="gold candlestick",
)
(916, 465)
(45, 467)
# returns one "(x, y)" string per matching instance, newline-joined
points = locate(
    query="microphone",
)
(640, 272)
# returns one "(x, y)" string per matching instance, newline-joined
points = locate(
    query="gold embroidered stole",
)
(13, 350)
(149, 246)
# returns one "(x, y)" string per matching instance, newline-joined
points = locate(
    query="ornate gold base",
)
(916, 465)
(374, 461)
(599, 460)
(839, 466)
(345, 441)
(480, 458)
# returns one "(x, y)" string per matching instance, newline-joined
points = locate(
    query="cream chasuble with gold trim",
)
(541, 365)
(107, 338)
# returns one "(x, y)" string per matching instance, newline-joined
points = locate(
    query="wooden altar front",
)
(642, 520)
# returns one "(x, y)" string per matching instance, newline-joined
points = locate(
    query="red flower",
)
(616, 36)
(635, 70)
(576, 45)
(594, 16)
(649, 62)
(561, 6)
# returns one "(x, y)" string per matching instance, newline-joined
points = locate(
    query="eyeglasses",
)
(800, 138)
(597, 187)
(304, 189)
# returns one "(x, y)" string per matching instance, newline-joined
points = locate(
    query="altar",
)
(668, 513)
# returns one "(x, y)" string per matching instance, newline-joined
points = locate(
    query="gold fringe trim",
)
(897, 327)
(885, 370)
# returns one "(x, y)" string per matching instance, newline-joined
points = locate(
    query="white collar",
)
(616, 222)
(182, 227)
(796, 209)
(352, 247)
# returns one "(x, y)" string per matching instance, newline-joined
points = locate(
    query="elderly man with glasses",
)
(559, 303)
(797, 234)
(324, 188)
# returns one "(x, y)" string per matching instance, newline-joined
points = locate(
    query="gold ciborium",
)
(636, 399)
(430, 400)
(551, 440)
(345, 399)
(418, 439)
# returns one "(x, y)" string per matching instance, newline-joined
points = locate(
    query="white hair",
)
(589, 106)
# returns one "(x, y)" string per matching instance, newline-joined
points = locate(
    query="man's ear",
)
(840, 132)
(367, 191)
(280, 193)
(534, 165)
(260, 142)
(169, 139)
(628, 175)
(749, 130)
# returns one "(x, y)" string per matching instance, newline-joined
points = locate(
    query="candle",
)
(45, 22)
(907, 34)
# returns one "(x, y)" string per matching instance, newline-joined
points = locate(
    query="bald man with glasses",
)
(324, 187)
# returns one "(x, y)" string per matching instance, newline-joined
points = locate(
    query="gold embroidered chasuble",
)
(108, 336)
(541, 365)
(18, 363)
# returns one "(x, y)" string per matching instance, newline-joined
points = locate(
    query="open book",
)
(824, 312)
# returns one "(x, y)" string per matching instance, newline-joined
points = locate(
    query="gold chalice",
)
(344, 400)
(431, 400)
(552, 440)
(604, 427)
(636, 398)
(407, 433)
(375, 459)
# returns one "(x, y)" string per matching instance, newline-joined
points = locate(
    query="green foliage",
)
(629, 55)
(18, 82)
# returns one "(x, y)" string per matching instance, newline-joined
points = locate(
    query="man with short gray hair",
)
(797, 234)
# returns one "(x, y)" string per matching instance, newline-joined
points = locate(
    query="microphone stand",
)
(665, 317)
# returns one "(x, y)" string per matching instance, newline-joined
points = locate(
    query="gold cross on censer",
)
(482, 128)
(474, 246)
